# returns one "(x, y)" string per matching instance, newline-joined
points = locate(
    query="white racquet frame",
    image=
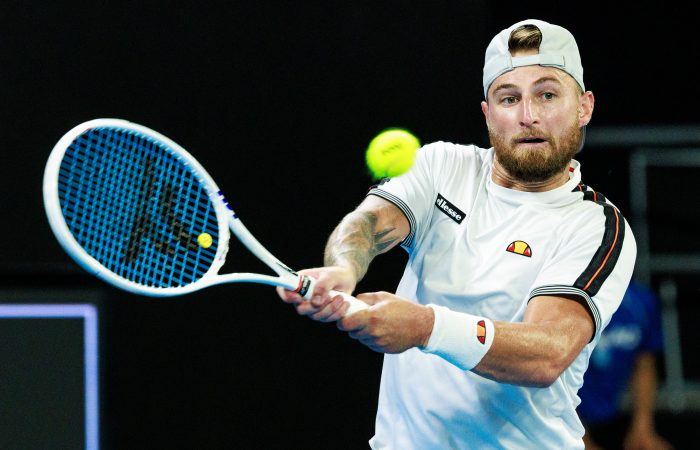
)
(226, 217)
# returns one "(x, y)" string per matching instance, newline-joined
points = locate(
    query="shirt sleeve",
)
(438, 167)
(413, 192)
(595, 262)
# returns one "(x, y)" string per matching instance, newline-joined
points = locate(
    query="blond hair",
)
(528, 37)
(525, 37)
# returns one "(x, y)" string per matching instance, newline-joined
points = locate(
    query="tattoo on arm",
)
(356, 241)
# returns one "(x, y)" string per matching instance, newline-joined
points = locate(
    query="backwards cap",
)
(558, 49)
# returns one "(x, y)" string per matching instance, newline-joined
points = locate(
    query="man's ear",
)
(585, 108)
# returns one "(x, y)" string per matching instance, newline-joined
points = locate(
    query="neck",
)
(502, 177)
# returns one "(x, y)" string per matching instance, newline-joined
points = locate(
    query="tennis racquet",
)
(138, 211)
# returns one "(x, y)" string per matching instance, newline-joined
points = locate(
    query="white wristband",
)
(460, 338)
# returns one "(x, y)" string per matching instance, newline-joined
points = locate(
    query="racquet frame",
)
(227, 220)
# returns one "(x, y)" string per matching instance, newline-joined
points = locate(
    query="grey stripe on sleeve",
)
(408, 242)
(570, 290)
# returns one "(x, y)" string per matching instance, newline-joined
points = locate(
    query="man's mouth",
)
(531, 140)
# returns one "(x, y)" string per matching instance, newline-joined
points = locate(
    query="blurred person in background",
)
(625, 360)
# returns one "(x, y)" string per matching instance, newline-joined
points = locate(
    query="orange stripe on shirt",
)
(612, 246)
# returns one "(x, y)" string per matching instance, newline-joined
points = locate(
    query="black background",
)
(278, 101)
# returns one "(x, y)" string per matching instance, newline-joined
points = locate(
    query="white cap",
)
(558, 49)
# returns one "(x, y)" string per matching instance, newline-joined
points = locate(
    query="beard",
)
(540, 164)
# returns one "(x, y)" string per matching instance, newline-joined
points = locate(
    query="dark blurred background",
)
(278, 101)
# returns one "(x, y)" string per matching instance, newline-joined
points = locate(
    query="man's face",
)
(534, 117)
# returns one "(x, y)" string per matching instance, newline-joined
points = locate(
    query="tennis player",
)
(515, 266)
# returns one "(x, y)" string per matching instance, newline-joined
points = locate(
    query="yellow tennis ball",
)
(204, 240)
(391, 153)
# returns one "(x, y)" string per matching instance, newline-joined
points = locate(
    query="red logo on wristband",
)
(481, 331)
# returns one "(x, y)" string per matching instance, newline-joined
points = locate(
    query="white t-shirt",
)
(479, 248)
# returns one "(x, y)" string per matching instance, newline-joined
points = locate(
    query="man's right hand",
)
(322, 306)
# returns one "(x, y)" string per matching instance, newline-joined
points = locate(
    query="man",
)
(625, 360)
(515, 266)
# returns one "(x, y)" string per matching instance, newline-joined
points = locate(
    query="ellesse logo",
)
(520, 248)
(449, 209)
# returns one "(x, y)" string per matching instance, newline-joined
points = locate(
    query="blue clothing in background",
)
(634, 328)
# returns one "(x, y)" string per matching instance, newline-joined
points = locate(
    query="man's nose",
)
(529, 113)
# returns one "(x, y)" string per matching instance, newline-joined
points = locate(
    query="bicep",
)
(568, 315)
(389, 222)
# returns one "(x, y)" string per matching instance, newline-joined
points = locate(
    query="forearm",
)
(529, 354)
(357, 240)
(533, 352)
(644, 384)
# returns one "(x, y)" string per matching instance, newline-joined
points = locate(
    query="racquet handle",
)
(355, 304)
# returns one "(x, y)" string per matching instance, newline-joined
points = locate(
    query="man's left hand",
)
(391, 324)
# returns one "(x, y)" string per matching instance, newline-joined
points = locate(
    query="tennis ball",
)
(204, 240)
(391, 153)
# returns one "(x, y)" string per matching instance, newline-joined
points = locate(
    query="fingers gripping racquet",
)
(135, 209)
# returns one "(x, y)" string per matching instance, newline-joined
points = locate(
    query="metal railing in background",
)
(659, 147)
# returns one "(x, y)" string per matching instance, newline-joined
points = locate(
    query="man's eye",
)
(548, 96)
(509, 100)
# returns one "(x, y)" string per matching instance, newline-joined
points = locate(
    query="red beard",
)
(541, 163)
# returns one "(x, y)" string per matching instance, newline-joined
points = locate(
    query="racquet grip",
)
(355, 304)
